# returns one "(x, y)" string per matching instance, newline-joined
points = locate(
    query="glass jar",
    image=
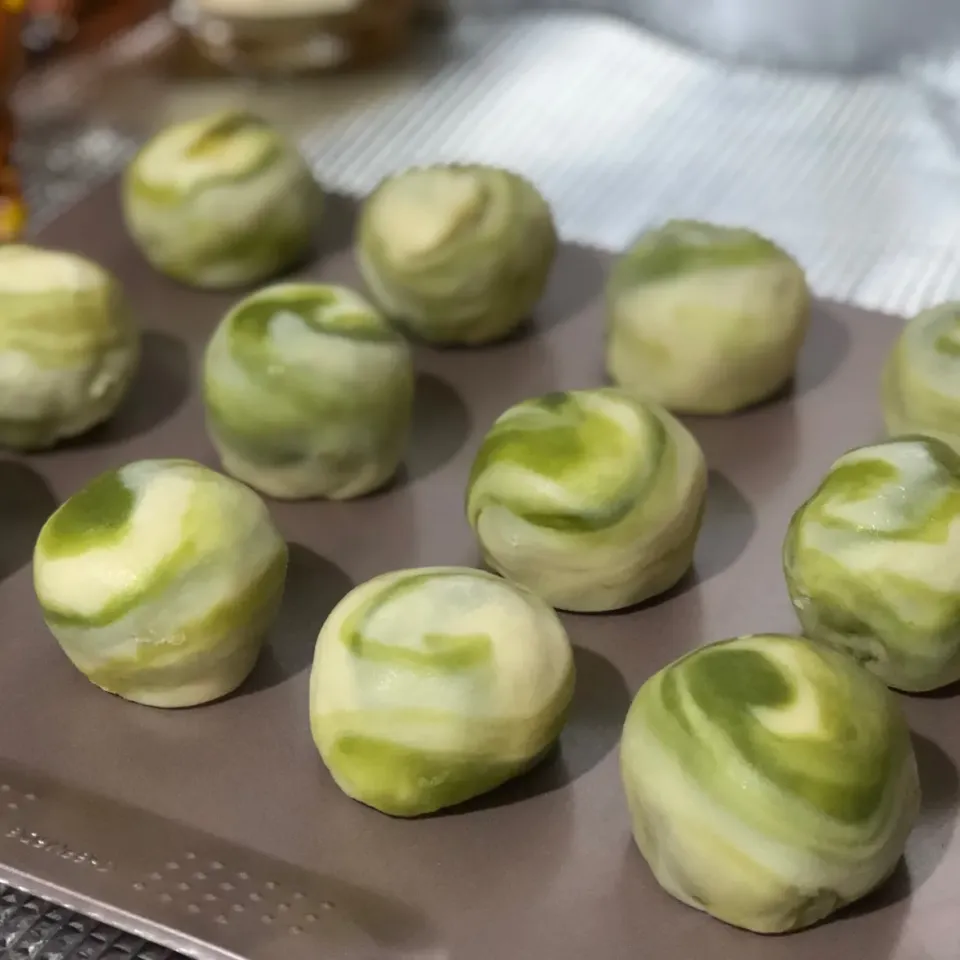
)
(278, 37)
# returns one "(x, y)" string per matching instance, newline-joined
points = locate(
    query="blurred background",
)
(830, 124)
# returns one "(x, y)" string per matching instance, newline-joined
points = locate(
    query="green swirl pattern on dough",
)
(921, 379)
(309, 393)
(770, 781)
(590, 498)
(221, 201)
(69, 346)
(459, 253)
(872, 561)
(705, 319)
(159, 580)
(432, 686)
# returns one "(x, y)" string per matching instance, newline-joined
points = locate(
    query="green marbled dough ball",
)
(221, 201)
(591, 498)
(159, 580)
(921, 379)
(432, 686)
(872, 561)
(458, 254)
(309, 393)
(705, 319)
(770, 781)
(69, 346)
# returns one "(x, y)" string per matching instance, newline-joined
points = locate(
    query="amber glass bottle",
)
(58, 28)
(12, 206)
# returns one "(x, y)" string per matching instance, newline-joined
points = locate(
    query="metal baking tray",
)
(217, 832)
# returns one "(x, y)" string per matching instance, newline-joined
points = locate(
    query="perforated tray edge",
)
(167, 882)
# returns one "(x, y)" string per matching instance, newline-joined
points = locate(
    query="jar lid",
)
(276, 9)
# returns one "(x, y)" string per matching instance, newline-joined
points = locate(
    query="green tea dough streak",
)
(309, 393)
(221, 201)
(592, 499)
(69, 346)
(770, 780)
(431, 686)
(160, 579)
(872, 561)
(921, 379)
(705, 319)
(460, 253)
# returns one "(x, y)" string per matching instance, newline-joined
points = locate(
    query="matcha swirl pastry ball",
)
(872, 561)
(69, 346)
(222, 201)
(159, 580)
(308, 392)
(591, 498)
(705, 319)
(435, 685)
(457, 254)
(770, 781)
(921, 379)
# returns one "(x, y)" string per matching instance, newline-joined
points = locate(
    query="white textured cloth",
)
(619, 128)
(622, 130)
